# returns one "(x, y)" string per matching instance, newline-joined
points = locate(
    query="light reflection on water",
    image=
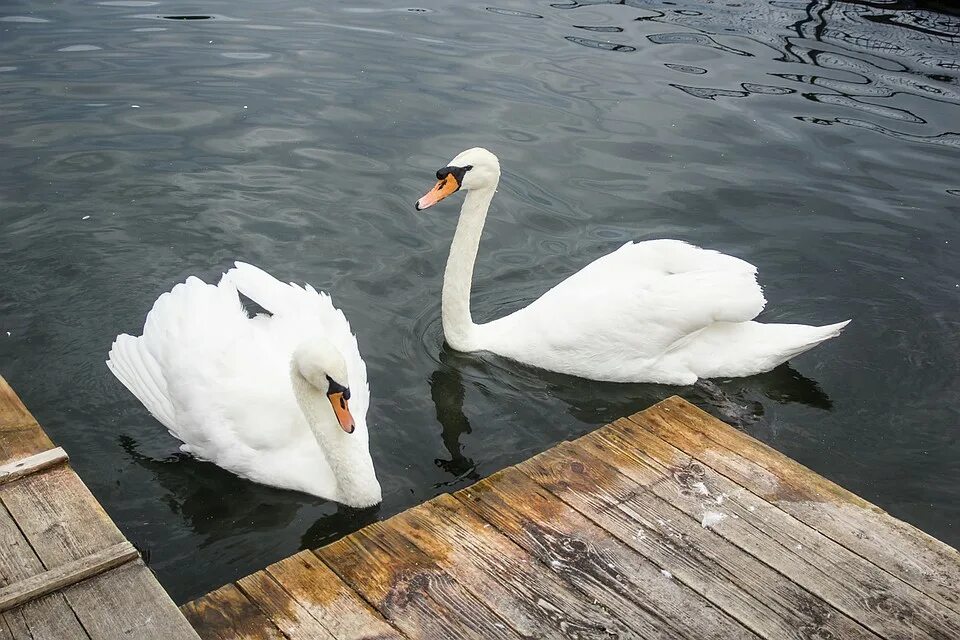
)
(814, 139)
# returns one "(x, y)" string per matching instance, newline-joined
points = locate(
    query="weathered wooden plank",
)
(762, 599)
(227, 614)
(65, 575)
(536, 602)
(20, 435)
(628, 585)
(17, 559)
(47, 618)
(899, 548)
(59, 516)
(127, 602)
(408, 588)
(280, 607)
(323, 595)
(16, 469)
(884, 604)
(63, 522)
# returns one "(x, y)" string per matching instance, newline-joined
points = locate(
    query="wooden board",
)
(891, 544)
(66, 575)
(630, 587)
(322, 594)
(759, 597)
(49, 618)
(20, 435)
(227, 614)
(16, 469)
(535, 601)
(409, 589)
(819, 565)
(66, 571)
(668, 524)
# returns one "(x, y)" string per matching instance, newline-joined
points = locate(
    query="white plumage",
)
(247, 393)
(658, 311)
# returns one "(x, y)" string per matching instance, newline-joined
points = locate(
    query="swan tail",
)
(133, 365)
(748, 348)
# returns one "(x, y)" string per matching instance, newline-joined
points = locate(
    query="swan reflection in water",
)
(745, 403)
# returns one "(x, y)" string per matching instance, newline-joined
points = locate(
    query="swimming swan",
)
(657, 311)
(280, 398)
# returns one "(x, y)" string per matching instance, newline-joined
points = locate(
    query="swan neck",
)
(458, 327)
(347, 454)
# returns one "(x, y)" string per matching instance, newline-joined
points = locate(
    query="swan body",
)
(659, 311)
(264, 397)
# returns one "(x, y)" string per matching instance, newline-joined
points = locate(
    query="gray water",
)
(817, 140)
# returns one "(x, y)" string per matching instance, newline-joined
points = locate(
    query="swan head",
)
(322, 366)
(474, 168)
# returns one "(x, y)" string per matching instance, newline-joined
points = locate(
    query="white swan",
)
(657, 311)
(263, 397)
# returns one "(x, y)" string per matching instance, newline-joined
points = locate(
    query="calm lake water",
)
(141, 142)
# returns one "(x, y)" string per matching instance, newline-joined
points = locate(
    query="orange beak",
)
(342, 409)
(448, 185)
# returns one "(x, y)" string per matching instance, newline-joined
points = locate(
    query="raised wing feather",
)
(646, 297)
(305, 311)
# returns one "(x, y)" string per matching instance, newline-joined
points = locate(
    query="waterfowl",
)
(279, 398)
(661, 311)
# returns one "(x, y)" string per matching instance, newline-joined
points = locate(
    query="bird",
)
(659, 311)
(279, 398)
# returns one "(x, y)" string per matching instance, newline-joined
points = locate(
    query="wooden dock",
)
(667, 524)
(66, 571)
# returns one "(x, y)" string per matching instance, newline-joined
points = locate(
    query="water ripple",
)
(817, 140)
(598, 44)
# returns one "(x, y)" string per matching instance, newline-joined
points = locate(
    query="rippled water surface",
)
(144, 141)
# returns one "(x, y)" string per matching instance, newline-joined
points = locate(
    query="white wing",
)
(304, 311)
(631, 306)
(203, 370)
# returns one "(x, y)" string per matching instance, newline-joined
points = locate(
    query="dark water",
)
(818, 140)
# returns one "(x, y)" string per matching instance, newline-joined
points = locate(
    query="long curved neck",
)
(347, 454)
(458, 326)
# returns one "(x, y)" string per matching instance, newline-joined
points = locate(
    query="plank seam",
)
(826, 534)
(360, 595)
(668, 626)
(66, 575)
(266, 613)
(23, 467)
(858, 617)
(373, 609)
(627, 545)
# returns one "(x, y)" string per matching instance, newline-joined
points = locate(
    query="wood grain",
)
(408, 588)
(16, 469)
(323, 595)
(607, 537)
(60, 550)
(899, 548)
(65, 575)
(227, 614)
(59, 516)
(285, 612)
(20, 435)
(127, 602)
(47, 618)
(535, 601)
(63, 522)
(760, 598)
(826, 569)
(628, 586)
